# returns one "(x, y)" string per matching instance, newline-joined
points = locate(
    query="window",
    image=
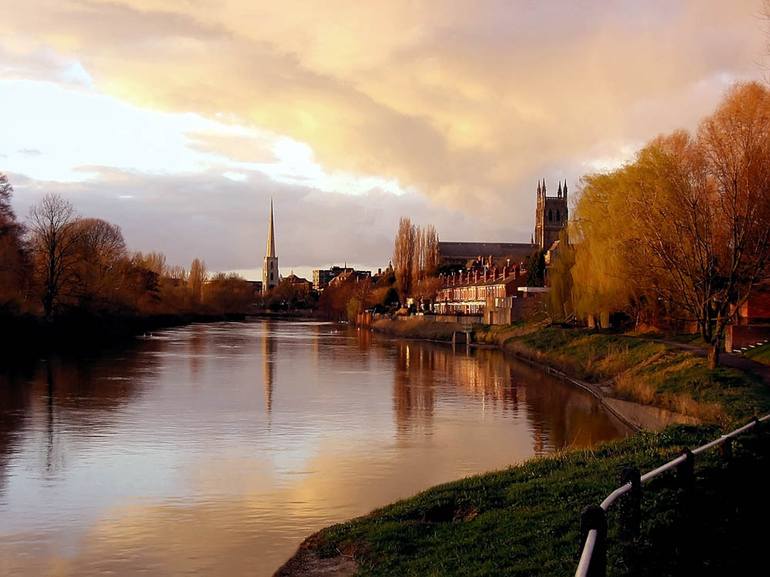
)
(558, 216)
(550, 215)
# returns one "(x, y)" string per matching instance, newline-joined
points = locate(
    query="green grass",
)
(648, 372)
(760, 354)
(525, 520)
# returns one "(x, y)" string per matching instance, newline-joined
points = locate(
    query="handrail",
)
(591, 533)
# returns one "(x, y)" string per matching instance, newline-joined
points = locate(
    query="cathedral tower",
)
(551, 215)
(270, 265)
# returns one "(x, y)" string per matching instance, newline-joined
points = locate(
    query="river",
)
(215, 449)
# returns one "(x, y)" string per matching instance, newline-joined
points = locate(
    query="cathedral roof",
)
(469, 250)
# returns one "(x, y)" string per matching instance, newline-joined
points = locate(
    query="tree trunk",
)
(713, 356)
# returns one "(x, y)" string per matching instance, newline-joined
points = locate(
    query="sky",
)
(179, 120)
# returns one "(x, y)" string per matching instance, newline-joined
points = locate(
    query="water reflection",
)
(268, 363)
(167, 458)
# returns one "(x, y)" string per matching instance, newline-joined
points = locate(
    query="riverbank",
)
(620, 369)
(30, 335)
(525, 520)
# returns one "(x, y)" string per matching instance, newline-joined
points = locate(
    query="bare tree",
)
(403, 257)
(702, 209)
(196, 279)
(54, 241)
(100, 252)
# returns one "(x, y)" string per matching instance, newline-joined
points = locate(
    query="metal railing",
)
(593, 521)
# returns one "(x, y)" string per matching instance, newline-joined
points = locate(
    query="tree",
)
(197, 278)
(711, 239)
(100, 254)
(228, 294)
(560, 280)
(415, 255)
(535, 266)
(54, 241)
(404, 256)
(687, 224)
(14, 258)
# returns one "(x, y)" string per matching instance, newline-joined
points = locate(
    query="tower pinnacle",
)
(270, 252)
(270, 275)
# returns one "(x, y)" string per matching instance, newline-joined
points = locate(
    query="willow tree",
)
(604, 274)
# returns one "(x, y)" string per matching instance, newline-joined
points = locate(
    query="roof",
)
(470, 250)
(511, 278)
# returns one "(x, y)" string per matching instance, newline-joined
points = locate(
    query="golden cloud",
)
(465, 102)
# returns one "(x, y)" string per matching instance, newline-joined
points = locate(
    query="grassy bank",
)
(648, 372)
(525, 520)
(628, 367)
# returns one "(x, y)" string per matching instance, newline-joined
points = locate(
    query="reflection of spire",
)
(268, 356)
(270, 253)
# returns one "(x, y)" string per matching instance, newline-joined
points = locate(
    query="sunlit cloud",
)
(458, 108)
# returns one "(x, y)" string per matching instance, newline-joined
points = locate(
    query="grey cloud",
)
(224, 222)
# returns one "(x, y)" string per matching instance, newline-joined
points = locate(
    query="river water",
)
(215, 449)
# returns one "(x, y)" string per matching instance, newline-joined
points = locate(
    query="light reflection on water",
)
(215, 449)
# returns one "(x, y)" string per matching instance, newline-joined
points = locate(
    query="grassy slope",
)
(524, 520)
(648, 372)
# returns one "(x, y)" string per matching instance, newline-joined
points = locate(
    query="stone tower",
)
(551, 215)
(270, 265)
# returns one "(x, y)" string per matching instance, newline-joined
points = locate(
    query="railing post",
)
(631, 503)
(594, 517)
(685, 472)
(726, 451)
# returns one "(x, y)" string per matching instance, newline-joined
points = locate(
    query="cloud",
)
(224, 221)
(464, 104)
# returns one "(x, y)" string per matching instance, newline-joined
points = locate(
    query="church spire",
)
(270, 253)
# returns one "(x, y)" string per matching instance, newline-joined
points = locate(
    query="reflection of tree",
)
(80, 391)
(414, 386)
(197, 347)
(15, 399)
(558, 414)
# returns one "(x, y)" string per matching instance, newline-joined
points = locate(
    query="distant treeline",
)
(57, 266)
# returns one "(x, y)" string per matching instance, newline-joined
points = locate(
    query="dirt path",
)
(725, 359)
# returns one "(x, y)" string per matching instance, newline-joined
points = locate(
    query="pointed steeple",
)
(270, 253)
(559, 193)
(538, 187)
(565, 189)
(544, 191)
